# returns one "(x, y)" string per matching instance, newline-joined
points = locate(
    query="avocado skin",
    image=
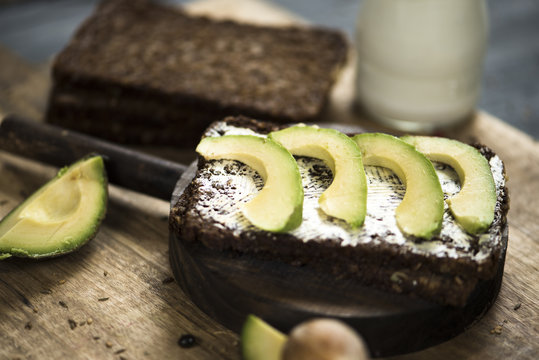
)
(83, 237)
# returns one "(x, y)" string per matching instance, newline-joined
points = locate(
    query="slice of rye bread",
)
(140, 72)
(444, 269)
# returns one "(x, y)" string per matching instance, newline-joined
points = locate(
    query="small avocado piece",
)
(346, 197)
(421, 210)
(260, 341)
(59, 217)
(278, 207)
(473, 207)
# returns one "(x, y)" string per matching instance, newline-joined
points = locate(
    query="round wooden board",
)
(228, 286)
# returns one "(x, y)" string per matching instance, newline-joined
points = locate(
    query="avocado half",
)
(59, 217)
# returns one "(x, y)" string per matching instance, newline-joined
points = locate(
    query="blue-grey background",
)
(38, 29)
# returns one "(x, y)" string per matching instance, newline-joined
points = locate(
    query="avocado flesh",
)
(473, 207)
(260, 341)
(346, 197)
(421, 210)
(278, 207)
(59, 217)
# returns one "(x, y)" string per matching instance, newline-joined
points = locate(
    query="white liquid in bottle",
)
(420, 61)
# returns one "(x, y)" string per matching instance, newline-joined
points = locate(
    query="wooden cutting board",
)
(117, 289)
(228, 287)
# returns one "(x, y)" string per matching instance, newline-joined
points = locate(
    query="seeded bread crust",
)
(382, 265)
(137, 71)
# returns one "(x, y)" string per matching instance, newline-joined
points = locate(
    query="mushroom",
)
(324, 339)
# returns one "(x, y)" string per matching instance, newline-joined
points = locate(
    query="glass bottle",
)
(420, 61)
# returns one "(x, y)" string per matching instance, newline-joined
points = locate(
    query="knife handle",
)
(60, 147)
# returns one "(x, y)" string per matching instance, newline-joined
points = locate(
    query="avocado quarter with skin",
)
(59, 217)
(421, 210)
(278, 207)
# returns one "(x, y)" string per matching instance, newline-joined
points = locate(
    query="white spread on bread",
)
(231, 184)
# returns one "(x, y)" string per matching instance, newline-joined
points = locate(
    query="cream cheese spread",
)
(230, 184)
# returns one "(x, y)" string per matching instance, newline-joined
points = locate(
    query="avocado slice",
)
(59, 217)
(260, 341)
(473, 207)
(346, 197)
(421, 210)
(278, 207)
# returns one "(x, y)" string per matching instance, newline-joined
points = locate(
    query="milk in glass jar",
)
(420, 61)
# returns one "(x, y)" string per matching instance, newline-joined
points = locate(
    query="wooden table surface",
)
(115, 298)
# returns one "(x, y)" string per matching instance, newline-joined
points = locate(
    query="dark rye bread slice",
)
(141, 72)
(444, 269)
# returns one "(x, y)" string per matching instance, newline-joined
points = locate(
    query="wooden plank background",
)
(114, 298)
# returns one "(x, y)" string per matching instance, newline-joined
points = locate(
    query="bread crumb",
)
(496, 330)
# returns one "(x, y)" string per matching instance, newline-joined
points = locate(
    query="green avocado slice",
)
(278, 207)
(260, 341)
(421, 210)
(59, 217)
(346, 197)
(473, 207)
